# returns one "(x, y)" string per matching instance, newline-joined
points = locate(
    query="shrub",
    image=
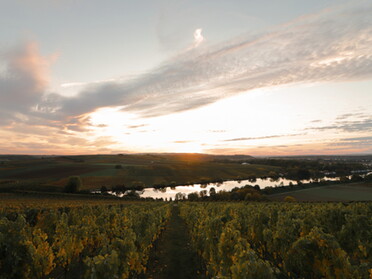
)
(289, 199)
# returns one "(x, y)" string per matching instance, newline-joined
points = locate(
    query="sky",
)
(262, 78)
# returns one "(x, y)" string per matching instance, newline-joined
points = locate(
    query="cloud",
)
(183, 141)
(358, 139)
(351, 115)
(80, 84)
(217, 131)
(136, 126)
(361, 125)
(101, 125)
(295, 149)
(23, 82)
(363, 144)
(276, 150)
(264, 137)
(198, 37)
(38, 140)
(333, 45)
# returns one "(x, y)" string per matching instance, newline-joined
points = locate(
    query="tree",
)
(344, 179)
(203, 193)
(356, 178)
(104, 189)
(132, 194)
(73, 185)
(138, 185)
(180, 196)
(212, 191)
(368, 177)
(193, 196)
(303, 174)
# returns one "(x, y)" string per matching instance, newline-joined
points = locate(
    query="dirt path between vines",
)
(173, 256)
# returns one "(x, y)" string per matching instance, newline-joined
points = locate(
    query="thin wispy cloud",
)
(183, 141)
(136, 126)
(359, 125)
(264, 137)
(334, 45)
(361, 143)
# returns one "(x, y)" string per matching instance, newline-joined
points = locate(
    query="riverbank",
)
(335, 192)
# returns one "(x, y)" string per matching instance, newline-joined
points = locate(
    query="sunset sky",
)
(262, 77)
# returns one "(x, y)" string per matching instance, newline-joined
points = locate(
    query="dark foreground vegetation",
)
(80, 242)
(188, 240)
(286, 240)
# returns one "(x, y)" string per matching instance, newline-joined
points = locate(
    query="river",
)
(170, 192)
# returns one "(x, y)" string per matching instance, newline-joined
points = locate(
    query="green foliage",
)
(317, 255)
(235, 240)
(282, 240)
(101, 241)
(14, 251)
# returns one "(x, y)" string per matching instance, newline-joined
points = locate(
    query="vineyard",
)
(80, 242)
(230, 240)
(271, 240)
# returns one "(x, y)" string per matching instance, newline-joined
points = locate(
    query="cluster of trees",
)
(246, 193)
(73, 185)
(135, 185)
(305, 168)
(282, 240)
(90, 242)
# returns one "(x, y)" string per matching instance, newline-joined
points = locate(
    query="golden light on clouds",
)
(294, 88)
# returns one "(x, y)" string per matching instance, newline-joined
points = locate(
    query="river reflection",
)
(170, 192)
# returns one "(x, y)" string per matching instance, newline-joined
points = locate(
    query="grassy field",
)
(37, 200)
(110, 170)
(341, 192)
